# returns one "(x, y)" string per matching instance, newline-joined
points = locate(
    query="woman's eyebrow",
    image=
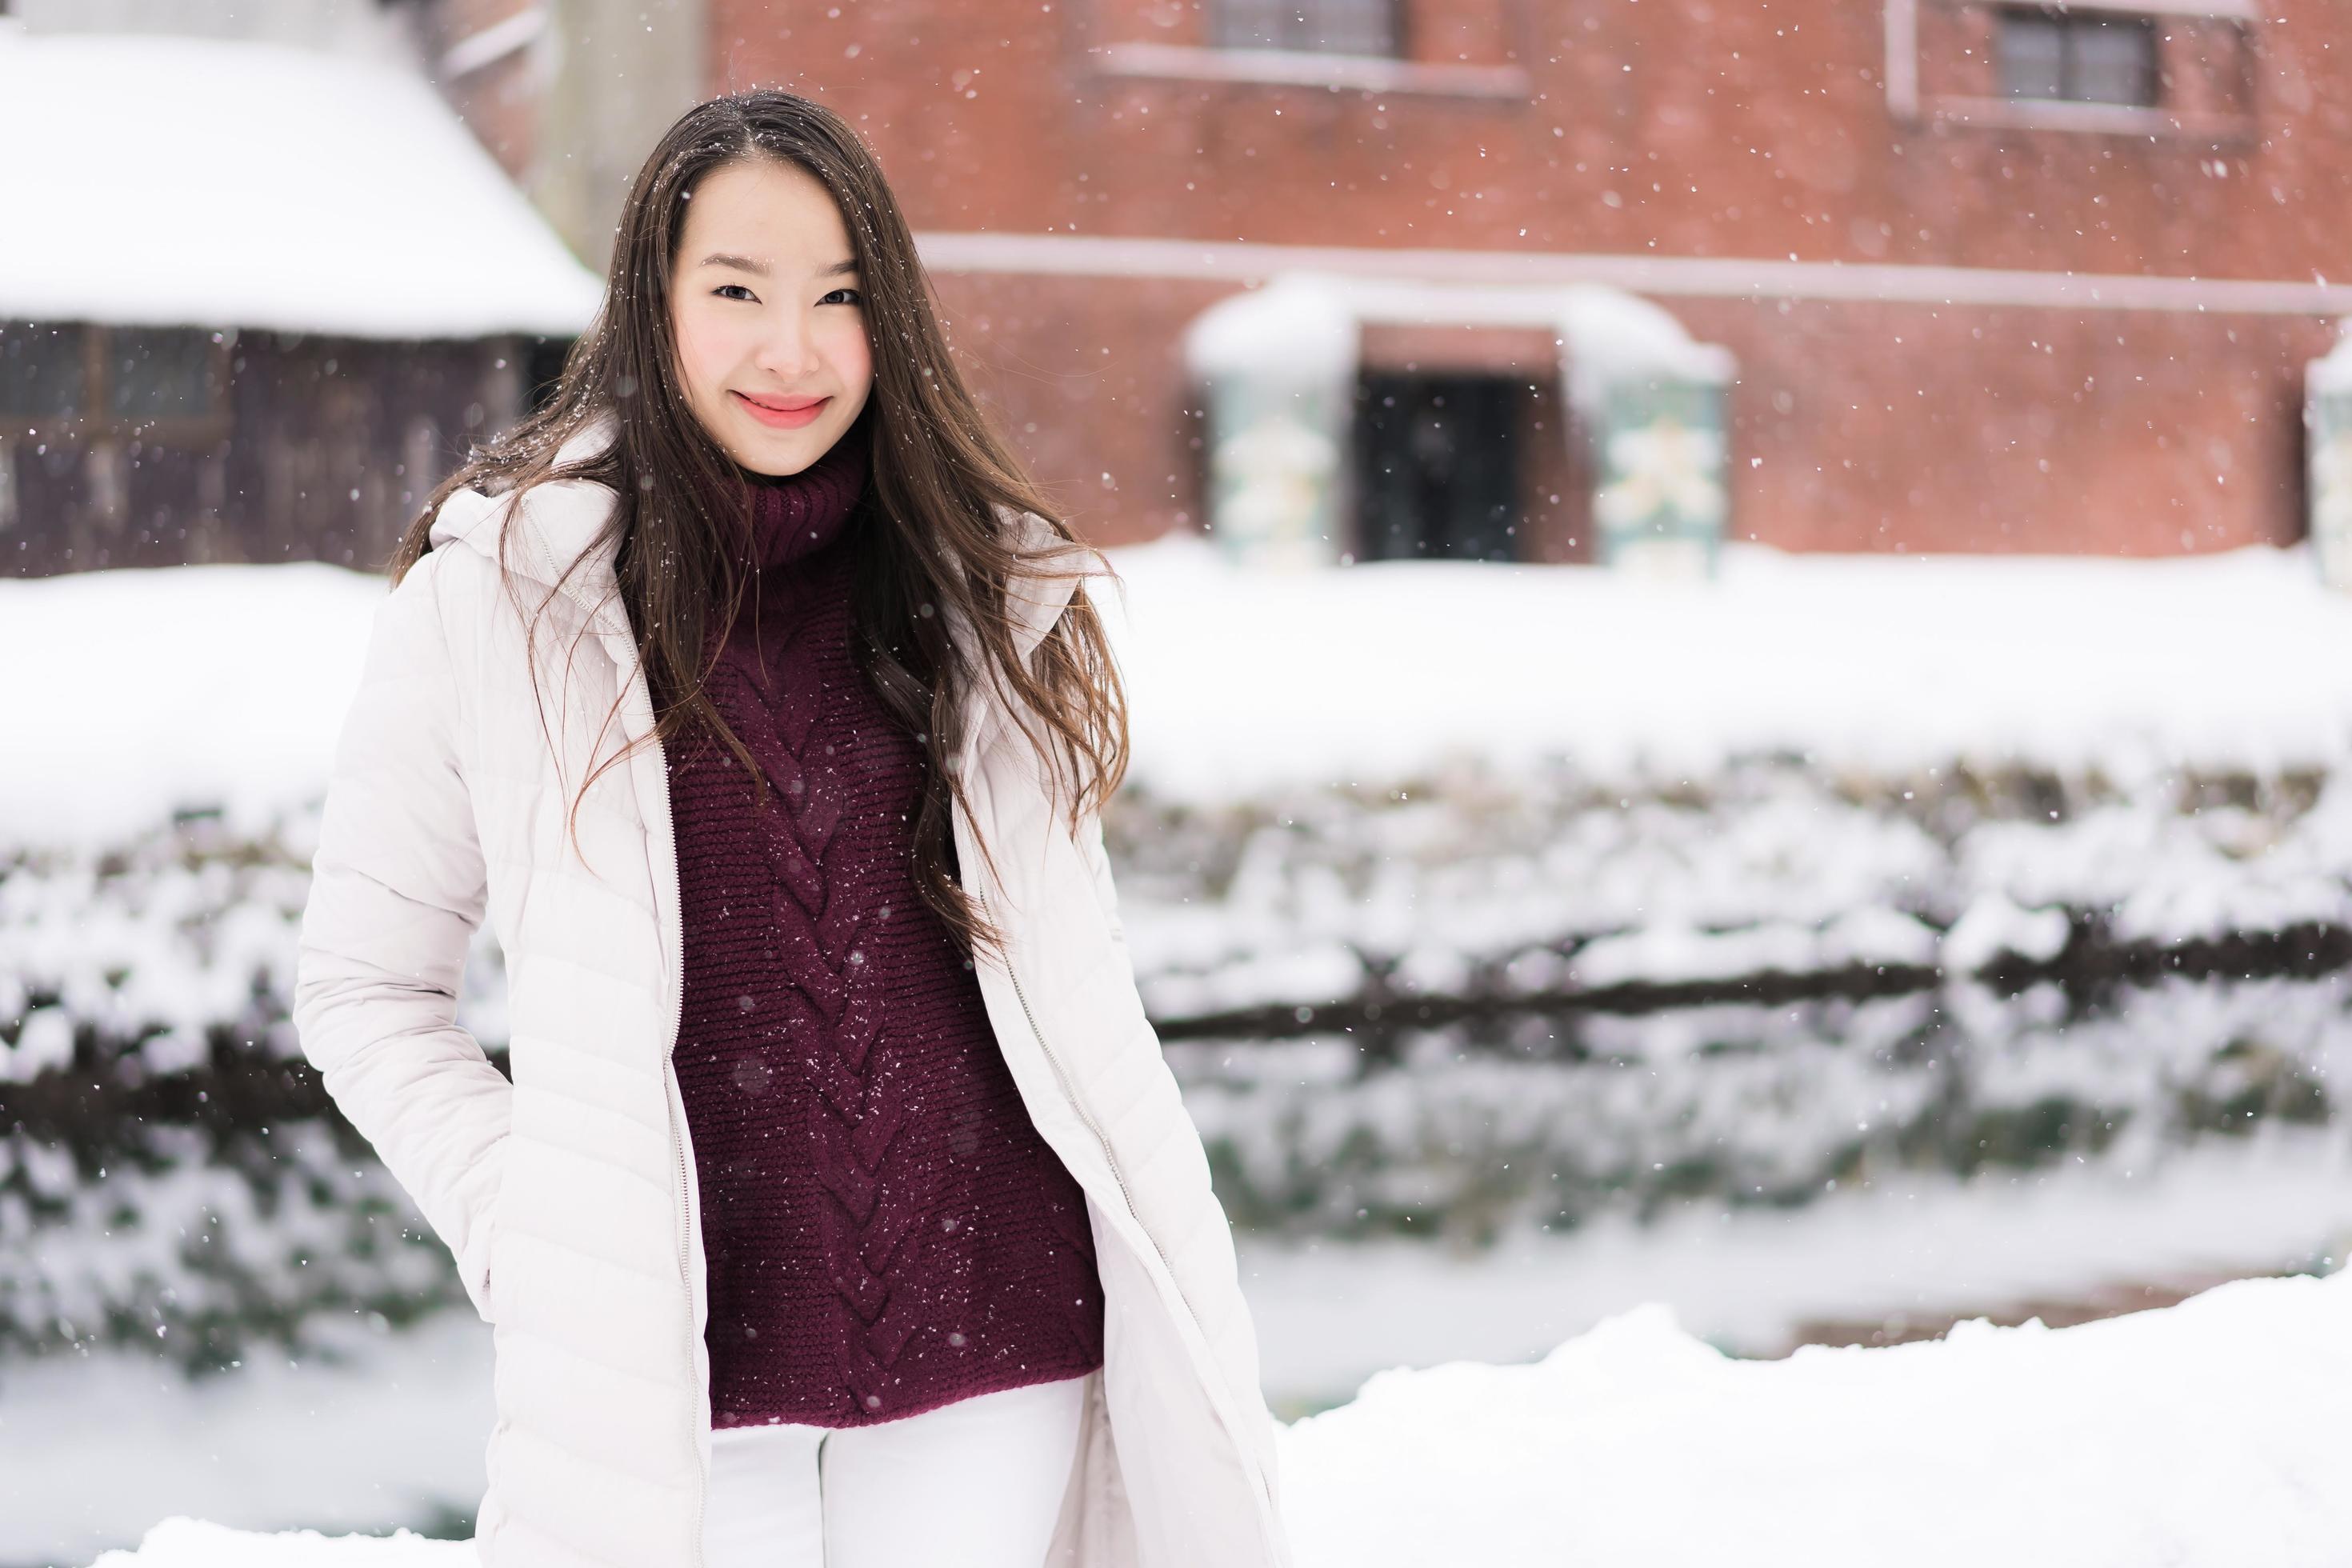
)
(759, 269)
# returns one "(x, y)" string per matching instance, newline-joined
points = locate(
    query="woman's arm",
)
(1090, 840)
(397, 889)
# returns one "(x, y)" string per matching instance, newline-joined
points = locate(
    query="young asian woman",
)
(836, 1205)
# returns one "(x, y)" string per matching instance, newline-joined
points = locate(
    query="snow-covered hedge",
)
(1432, 1012)
(1474, 888)
(171, 1173)
(2206, 1434)
(1428, 869)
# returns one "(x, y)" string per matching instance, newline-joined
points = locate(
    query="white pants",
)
(975, 1484)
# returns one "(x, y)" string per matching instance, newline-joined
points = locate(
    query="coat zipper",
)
(677, 1136)
(1110, 1160)
(639, 685)
(670, 1072)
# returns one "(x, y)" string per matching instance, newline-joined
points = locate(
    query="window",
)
(2083, 59)
(44, 372)
(2171, 69)
(87, 382)
(1328, 27)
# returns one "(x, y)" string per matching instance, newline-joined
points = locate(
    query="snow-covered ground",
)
(160, 689)
(1879, 664)
(396, 1436)
(172, 687)
(2208, 1435)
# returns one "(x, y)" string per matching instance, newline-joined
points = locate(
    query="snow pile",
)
(193, 1544)
(2203, 1436)
(2206, 1434)
(155, 691)
(297, 189)
(1883, 666)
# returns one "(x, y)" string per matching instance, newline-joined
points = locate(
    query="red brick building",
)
(1986, 275)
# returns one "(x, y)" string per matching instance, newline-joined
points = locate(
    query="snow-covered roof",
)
(1305, 326)
(166, 180)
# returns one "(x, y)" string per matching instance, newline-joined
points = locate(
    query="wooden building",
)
(259, 318)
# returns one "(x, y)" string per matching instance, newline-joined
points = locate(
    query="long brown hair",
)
(931, 544)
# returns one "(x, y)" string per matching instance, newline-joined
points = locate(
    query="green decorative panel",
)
(2327, 423)
(1275, 470)
(1662, 496)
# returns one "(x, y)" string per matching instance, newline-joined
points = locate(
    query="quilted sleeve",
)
(397, 889)
(1090, 840)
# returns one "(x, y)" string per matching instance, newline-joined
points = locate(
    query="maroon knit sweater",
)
(885, 1230)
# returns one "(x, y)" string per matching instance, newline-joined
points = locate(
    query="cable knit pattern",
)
(885, 1230)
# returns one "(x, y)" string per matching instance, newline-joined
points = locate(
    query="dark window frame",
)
(93, 416)
(2071, 30)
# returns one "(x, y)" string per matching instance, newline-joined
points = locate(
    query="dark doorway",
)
(1437, 469)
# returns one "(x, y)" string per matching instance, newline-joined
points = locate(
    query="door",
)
(1437, 469)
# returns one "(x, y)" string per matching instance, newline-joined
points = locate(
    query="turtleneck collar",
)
(793, 515)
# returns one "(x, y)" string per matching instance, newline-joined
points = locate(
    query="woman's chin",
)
(777, 453)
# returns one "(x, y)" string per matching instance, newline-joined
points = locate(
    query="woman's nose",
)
(788, 350)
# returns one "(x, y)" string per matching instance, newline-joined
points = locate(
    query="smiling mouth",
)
(781, 407)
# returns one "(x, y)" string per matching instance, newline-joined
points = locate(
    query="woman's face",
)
(771, 327)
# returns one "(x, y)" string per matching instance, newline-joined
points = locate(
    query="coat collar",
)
(558, 522)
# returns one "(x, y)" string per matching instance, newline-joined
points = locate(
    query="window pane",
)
(1250, 24)
(1339, 27)
(2032, 51)
(160, 375)
(1347, 26)
(40, 371)
(2113, 61)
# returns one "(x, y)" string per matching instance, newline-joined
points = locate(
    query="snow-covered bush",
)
(1479, 889)
(171, 1173)
(1472, 1005)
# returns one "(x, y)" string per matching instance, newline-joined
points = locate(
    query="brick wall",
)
(1641, 129)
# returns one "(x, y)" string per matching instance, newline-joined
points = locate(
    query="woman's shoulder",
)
(444, 597)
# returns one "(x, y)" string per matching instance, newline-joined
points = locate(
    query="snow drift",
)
(2203, 1436)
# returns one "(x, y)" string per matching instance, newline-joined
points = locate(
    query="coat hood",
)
(558, 522)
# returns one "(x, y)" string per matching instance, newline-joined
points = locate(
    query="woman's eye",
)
(724, 287)
(855, 296)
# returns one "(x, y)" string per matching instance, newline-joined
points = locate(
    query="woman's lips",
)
(780, 419)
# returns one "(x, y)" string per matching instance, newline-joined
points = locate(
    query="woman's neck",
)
(794, 515)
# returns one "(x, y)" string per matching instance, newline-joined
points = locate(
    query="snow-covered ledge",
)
(2208, 1435)
(1278, 364)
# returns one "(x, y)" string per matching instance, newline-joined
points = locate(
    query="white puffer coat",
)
(568, 1196)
